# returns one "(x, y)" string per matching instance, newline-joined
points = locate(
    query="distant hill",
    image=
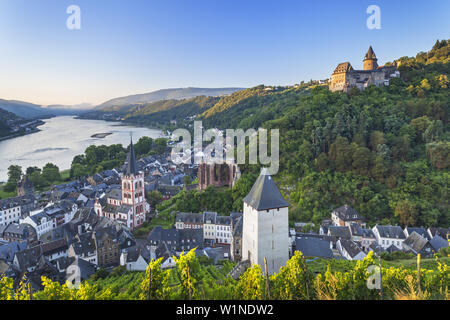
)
(168, 94)
(24, 109)
(33, 111)
(81, 106)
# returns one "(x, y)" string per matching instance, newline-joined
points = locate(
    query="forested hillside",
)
(385, 150)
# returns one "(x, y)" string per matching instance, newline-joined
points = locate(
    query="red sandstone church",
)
(128, 204)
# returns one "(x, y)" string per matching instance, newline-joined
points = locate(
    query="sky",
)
(137, 46)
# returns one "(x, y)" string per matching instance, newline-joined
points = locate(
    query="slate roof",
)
(209, 217)
(442, 232)
(195, 236)
(223, 220)
(189, 217)
(54, 246)
(160, 234)
(131, 165)
(237, 227)
(265, 194)
(437, 243)
(8, 250)
(421, 231)
(19, 230)
(28, 257)
(415, 242)
(313, 247)
(350, 247)
(86, 268)
(115, 194)
(370, 54)
(391, 232)
(339, 232)
(347, 213)
(216, 253)
(85, 245)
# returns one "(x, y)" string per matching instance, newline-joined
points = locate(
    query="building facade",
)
(265, 232)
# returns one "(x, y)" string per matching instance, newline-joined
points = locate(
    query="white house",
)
(349, 250)
(40, 221)
(265, 225)
(10, 211)
(133, 260)
(389, 235)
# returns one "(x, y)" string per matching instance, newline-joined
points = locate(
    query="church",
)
(265, 229)
(345, 77)
(127, 204)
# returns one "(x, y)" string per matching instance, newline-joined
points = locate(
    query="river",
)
(61, 139)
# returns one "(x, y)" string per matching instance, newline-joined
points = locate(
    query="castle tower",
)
(370, 60)
(133, 191)
(265, 230)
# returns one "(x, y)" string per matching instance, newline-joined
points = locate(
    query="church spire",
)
(131, 168)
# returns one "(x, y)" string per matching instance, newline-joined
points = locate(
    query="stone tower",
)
(370, 60)
(265, 230)
(133, 190)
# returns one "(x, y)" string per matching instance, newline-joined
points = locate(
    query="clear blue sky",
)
(136, 46)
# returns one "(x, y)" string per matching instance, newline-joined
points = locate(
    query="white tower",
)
(265, 230)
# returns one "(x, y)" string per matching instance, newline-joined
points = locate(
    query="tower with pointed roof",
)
(133, 191)
(265, 230)
(370, 60)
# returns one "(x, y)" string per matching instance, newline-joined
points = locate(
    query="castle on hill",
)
(345, 77)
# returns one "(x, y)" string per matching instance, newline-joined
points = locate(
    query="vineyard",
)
(298, 280)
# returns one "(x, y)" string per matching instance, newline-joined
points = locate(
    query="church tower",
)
(370, 60)
(133, 191)
(265, 230)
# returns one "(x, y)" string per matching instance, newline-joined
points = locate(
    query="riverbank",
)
(29, 129)
(60, 139)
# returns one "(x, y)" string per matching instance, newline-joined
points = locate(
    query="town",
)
(69, 232)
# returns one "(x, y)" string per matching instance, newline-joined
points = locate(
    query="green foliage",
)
(299, 279)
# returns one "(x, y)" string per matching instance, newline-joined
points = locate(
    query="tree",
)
(154, 198)
(361, 160)
(30, 170)
(50, 172)
(439, 154)
(143, 146)
(340, 153)
(376, 138)
(14, 176)
(406, 212)
(186, 180)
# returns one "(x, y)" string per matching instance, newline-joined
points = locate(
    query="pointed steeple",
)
(370, 54)
(265, 194)
(131, 168)
(370, 60)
